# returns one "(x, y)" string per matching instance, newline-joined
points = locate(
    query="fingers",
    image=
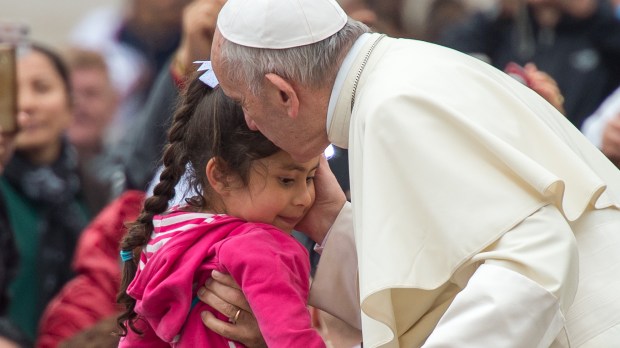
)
(209, 297)
(225, 279)
(610, 142)
(199, 21)
(221, 327)
(228, 330)
(545, 86)
(223, 294)
(329, 201)
(327, 186)
(245, 330)
(201, 16)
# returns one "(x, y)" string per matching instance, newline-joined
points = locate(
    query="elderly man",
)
(480, 216)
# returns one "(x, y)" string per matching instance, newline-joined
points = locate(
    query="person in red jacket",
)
(91, 296)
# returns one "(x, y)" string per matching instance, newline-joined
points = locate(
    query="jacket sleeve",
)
(272, 269)
(534, 265)
(335, 287)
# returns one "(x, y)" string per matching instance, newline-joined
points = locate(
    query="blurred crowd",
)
(93, 118)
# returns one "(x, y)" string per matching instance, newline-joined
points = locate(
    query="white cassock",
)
(481, 216)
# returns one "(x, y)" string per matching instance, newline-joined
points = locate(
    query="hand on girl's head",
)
(329, 200)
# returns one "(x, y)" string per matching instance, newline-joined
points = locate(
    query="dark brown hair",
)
(206, 125)
(81, 59)
(59, 65)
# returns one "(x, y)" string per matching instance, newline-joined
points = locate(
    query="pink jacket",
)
(271, 267)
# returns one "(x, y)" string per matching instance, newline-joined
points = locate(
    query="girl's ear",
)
(217, 178)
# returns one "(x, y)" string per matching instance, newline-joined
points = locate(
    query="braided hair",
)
(206, 125)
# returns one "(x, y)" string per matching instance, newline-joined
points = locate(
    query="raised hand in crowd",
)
(199, 19)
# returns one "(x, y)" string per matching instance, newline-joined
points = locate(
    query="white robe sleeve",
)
(499, 308)
(518, 296)
(335, 284)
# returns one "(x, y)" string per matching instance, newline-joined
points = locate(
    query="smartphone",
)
(8, 89)
(16, 34)
(14, 41)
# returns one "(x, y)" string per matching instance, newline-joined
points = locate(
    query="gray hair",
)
(311, 65)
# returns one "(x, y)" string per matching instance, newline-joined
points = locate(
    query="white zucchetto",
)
(278, 24)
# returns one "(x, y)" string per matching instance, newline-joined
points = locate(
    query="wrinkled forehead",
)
(218, 64)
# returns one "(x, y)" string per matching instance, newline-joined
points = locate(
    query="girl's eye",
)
(287, 181)
(309, 179)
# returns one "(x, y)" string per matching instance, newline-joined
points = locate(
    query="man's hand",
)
(610, 143)
(223, 294)
(543, 84)
(327, 205)
(199, 22)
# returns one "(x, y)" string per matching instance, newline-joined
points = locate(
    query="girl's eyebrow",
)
(297, 167)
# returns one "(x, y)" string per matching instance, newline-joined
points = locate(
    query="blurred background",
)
(112, 72)
(50, 21)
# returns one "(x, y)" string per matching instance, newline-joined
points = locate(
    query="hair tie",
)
(126, 255)
(208, 77)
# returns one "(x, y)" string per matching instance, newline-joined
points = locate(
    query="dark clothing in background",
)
(46, 215)
(133, 162)
(8, 257)
(9, 261)
(583, 56)
(91, 296)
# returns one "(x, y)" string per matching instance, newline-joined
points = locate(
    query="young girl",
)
(249, 196)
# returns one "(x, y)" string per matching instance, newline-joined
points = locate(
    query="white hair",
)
(311, 65)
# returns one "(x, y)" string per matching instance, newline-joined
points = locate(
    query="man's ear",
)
(216, 176)
(287, 96)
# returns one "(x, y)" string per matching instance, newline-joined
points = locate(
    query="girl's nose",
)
(304, 196)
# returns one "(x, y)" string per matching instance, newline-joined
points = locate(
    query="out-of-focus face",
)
(156, 19)
(94, 106)
(359, 10)
(44, 104)
(280, 192)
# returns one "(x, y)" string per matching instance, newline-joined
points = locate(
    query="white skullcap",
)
(279, 24)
